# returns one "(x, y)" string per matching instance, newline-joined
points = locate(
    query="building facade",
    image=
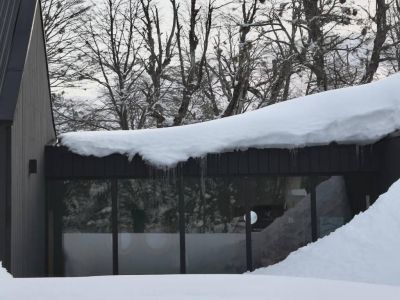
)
(26, 126)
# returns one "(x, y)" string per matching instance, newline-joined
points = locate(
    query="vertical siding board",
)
(274, 162)
(284, 161)
(263, 161)
(3, 182)
(212, 164)
(243, 162)
(32, 129)
(253, 161)
(232, 163)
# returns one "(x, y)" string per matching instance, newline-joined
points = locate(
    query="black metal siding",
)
(32, 129)
(15, 62)
(333, 159)
(8, 15)
(3, 176)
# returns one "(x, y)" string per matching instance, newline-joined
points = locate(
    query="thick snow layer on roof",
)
(366, 249)
(360, 114)
(186, 287)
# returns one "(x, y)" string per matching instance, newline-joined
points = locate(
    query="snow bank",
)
(3, 273)
(360, 114)
(366, 249)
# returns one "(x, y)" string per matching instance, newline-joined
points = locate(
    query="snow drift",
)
(366, 249)
(3, 273)
(360, 114)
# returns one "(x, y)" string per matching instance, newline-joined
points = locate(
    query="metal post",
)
(114, 221)
(314, 216)
(246, 197)
(182, 227)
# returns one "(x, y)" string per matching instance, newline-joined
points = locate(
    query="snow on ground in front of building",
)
(366, 249)
(184, 287)
(3, 273)
(359, 114)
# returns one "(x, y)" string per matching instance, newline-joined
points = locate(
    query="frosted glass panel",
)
(87, 254)
(87, 238)
(148, 239)
(215, 228)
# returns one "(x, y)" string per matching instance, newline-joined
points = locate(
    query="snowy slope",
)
(175, 287)
(366, 249)
(360, 114)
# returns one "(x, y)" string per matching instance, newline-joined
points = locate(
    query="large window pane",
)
(282, 214)
(148, 227)
(333, 207)
(86, 236)
(281, 217)
(215, 228)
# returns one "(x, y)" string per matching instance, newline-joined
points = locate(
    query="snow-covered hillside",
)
(359, 114)
(366, 249)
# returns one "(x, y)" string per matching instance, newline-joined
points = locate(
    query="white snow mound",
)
(3, 273)
(359, 114)
(364, 250)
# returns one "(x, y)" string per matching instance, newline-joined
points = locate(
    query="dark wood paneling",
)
(333, 159)
(32, 129)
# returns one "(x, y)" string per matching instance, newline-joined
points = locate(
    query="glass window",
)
(333, 207)
(215, 228)
(148, 227)
(87, 233)
(282, 217)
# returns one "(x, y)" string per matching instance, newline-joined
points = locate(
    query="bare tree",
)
(382, 29)
(160, 54)
(109, 56)
(191, 70)
(61, 29)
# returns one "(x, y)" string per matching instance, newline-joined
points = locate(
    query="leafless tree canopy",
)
(157, 63)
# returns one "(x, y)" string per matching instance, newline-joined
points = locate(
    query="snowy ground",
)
(207, 287)
(359, 114)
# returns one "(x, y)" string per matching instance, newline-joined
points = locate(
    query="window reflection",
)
(215, 227)
(87, 237)
(148, 227)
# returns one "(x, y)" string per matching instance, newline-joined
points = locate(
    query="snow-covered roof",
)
(356, 115)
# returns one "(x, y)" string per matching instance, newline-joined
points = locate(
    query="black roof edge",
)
(47, 70)
(16, 61)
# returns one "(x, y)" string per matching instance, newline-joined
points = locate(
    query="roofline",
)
(16, 61)
(47, 69)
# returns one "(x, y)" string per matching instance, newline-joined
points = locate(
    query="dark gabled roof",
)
(16, 21)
